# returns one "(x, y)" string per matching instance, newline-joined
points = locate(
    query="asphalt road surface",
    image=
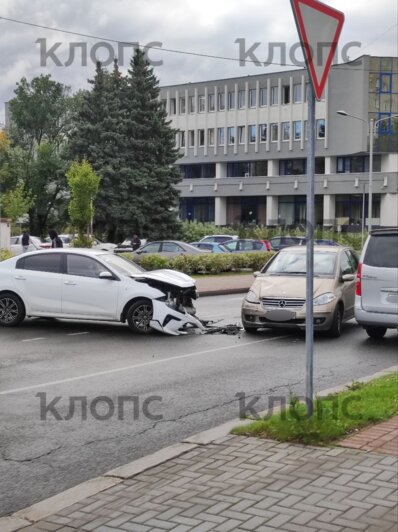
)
(195, 378)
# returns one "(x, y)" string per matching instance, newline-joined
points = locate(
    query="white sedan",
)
(95, 285)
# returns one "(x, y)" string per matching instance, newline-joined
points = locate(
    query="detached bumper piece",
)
(170, 321)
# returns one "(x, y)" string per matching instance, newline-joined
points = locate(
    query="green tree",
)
(16, 202)
(149, 167)
(83, 183)
(41, 114)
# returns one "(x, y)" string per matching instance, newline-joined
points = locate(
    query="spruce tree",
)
(149, 172)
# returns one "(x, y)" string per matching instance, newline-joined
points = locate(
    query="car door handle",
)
(70, 283)
(20, 278)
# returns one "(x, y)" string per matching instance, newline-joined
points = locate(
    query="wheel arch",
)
(123, 315)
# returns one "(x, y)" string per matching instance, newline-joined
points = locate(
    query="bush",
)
(5, 254)
(82, 241)
(154, 262)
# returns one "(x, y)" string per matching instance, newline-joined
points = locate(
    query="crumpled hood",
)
(179, 279)
(289, 286)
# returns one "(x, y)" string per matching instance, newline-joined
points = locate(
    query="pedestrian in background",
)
(25, 241)
(56, 242)
(135, 242)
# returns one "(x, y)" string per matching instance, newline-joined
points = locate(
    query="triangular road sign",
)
(319, 27)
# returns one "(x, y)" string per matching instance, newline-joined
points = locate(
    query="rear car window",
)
(382, 251)
(43, 262)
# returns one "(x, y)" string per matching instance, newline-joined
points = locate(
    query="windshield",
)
(121, 265)
(294, 263)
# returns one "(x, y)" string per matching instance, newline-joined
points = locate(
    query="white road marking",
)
(136, 366)
(34, 339)
(77, 334)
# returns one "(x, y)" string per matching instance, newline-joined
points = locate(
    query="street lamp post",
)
(372, 125)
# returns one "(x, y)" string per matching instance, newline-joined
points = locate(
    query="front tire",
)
(12, 310)
(376, 332)
(335, 329)
(139, 316)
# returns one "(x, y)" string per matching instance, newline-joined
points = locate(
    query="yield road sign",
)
(319, 27)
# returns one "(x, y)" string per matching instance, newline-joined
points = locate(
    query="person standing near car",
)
(135, 242)
(25, 241)
(56, 242)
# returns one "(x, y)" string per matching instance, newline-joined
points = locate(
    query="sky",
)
(201, 26)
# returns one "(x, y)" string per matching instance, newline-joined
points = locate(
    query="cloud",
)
(204, 26)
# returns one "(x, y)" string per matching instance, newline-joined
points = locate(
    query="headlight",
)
(251, 297)
(324, 299)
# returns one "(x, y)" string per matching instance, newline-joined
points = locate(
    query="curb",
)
(223, 292)
(28, 516)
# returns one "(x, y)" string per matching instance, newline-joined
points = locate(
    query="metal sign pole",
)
(309, 322)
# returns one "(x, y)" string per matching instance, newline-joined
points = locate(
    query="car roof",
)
(317, 247)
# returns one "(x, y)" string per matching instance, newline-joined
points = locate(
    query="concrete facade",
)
(243, 146)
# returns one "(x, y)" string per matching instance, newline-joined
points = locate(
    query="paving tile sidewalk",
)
(241, 484)
(382, 438)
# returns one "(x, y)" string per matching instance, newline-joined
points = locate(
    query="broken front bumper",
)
(168, 320)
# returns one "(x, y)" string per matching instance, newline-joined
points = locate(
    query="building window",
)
(192, 104)
(201, 136)
(263, 97)
(385, 85)
(320, 128)
(274, 132)
(241, 134)
(252, 98)
(182, 139)
(292, 167)
(274, 95)
(319, 165)
(285, 130)
(212, 103)
(297, 96)
(263, 132)
(231, 100)
(210, 136)
(286, 94)
(221, 136)
(191, 138)
(231, 135)
(221, 101)
(172, 106)
(182, 106)
(201, 104)
(297, 130)
(163, 104)
(241, 99)
(252, 133)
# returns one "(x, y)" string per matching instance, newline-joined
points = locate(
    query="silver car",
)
(376, 299)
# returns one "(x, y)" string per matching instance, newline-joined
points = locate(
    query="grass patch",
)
(335, 416)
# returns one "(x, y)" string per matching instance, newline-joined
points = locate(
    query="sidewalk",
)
(224, 284)
(214, 481)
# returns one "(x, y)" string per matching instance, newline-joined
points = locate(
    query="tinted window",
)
(170, 247)
(205, 246)
(231, 246)
(382, 251)
(83, 266)
(151, 248)
(43, 262)
(346, 265)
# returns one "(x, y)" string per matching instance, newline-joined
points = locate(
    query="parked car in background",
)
(89, 284)
(267, 244)
(218, 238)
(376, 296)
(277, 298)
(166, 248)
(67, 241)
(126, 246)
(325, 242)
(245, 244)
(35, 244)
(213, 247)
(280, 242)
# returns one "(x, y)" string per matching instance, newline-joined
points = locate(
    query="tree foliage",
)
(83, 183)
(16, 202)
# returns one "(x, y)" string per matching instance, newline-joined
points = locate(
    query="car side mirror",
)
(106, 275)
(348, 277)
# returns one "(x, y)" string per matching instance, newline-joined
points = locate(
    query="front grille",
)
(282, 302)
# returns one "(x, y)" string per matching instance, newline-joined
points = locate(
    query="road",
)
(195, 377)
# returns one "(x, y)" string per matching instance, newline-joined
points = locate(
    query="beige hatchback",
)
(277, 296)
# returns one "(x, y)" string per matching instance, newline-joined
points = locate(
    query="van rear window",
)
(382, 251)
